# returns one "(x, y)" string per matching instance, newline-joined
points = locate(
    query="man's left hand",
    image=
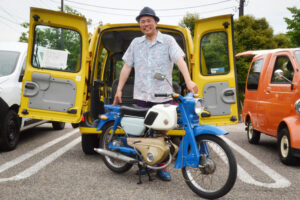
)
(192, 87)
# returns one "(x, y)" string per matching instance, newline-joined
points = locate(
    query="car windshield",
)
(297, 54)
(8, 61)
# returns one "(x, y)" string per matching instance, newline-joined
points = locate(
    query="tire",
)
(113, 164)
(220, 170)
(75, 125)
(89, 142)
(252, 135)
(10, 131)
(58, 125)
(284, 147)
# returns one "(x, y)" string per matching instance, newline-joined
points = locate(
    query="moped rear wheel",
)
(114, 165)
(217, 170)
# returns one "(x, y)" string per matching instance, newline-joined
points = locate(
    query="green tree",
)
(294, 26)
(189, 20)
(282, 41)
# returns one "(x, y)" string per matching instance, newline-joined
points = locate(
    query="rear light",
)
(83, 119)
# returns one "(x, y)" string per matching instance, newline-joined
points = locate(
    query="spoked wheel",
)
(115, 165)
(217, 170)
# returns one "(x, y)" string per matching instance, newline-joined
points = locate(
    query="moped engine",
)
(153, 150)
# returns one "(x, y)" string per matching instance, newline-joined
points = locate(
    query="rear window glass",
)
(254, 74)
(214, 57)
(56, 48)
(8, 62)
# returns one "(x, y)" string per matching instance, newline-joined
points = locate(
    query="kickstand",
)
(140, 174)
(148, 172)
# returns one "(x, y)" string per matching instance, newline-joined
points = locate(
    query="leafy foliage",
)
(294, 26)
(189, 20)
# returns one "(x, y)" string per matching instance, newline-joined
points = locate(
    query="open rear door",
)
(214, 69)
(54, 84)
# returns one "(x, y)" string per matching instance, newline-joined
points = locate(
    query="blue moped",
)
(132, 135)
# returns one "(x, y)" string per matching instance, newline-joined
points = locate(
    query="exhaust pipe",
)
(115, 155)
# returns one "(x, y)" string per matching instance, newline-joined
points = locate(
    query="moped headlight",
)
(297, 106)
(199, 106)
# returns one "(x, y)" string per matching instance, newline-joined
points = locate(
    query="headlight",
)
(199, 106)
(297, 106)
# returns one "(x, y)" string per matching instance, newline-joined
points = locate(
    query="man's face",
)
(148, 25)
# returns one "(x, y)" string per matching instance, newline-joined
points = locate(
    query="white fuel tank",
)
(133, 126)
(161, 117)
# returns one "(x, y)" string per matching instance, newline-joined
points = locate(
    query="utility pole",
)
(62, 30)
(241, 8)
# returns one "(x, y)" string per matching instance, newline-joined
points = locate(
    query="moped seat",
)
(133, 111)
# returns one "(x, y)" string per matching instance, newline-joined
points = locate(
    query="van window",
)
(254, 74)
(297, 54)
(56, 48)
(283, 63)
(8, 62)
(214, 54)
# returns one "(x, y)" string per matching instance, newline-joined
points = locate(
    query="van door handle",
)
(29, 86)
(228, 93)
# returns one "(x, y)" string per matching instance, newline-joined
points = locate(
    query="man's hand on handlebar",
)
(118, 98)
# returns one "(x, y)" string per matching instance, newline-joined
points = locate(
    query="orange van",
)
(272, 99)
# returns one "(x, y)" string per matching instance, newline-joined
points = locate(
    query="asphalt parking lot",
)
(51, 165)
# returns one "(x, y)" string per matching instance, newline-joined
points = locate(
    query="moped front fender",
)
(209, 129)
(188, 153)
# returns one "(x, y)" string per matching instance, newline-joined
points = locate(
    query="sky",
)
(15, 12)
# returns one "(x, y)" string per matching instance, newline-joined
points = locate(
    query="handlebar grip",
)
(161, 95)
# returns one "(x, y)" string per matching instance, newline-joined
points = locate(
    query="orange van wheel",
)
(252, 135)
(284, 146)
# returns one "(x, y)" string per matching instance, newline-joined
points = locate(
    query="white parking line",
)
(35, 151)
(44, 162)
(280, 181)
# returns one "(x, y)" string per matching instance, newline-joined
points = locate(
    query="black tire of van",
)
(284, 147)
(252, 135)
(58, 125)
(10, 131)
(89, 142)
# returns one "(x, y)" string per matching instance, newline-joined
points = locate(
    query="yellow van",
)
(70, 76)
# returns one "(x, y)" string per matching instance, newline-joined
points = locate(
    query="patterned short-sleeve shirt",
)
(149, 58)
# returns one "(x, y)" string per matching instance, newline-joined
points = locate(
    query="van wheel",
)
(89, 142)
(58, 125)
(75, 125)
(284, 146)
(252, 135)
(10, 133)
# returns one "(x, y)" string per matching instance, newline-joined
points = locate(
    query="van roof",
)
(13, 46)
(252, 53)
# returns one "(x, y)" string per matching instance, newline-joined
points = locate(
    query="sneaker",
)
(164, 175)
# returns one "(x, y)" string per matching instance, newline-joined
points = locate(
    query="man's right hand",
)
(118, 97)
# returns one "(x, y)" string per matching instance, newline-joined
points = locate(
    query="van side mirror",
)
(279, 75)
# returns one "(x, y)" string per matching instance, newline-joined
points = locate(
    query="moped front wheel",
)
(113, 164)
(217, 170)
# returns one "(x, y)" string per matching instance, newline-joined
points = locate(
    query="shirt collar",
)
(157, 39)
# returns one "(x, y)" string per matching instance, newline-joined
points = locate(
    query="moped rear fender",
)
(102, 123)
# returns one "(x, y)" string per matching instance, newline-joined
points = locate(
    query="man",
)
(154, 52)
